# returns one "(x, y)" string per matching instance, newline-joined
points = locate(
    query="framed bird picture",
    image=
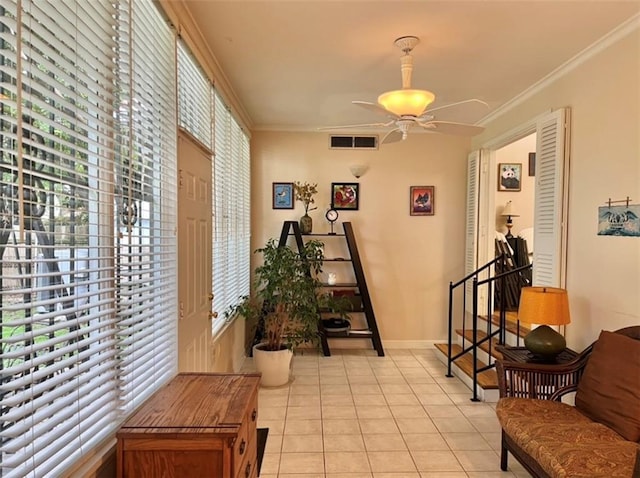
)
(422, 200)
(282, 196)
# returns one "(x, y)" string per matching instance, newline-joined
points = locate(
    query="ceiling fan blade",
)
(448, 127)
(353, 126)
(392, 136)
(467, 111)
(376, 108)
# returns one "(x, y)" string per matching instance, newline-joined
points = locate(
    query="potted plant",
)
(284, 307)
(304, 193)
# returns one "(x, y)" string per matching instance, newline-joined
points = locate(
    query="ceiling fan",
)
(408, 107)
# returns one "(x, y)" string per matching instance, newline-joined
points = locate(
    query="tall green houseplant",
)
(284, 305)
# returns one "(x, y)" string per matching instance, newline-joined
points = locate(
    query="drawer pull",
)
(247, 471)
(243, 445)
(254, 414)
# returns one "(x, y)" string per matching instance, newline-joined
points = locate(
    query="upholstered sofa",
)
(599, 435)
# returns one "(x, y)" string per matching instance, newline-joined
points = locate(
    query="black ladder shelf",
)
(292, 228)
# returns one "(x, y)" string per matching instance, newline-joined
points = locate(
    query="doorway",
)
(195, 295)
(548, 187)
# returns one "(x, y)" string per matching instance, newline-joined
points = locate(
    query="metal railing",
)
(500, 332)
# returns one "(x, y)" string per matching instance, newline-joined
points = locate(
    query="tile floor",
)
(357, 415)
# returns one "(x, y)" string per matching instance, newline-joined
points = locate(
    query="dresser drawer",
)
(247, 435)
(249, 467)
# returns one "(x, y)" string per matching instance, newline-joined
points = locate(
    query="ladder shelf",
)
(291, 228)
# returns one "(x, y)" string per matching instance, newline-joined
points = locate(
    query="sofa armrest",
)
(535, 380)
(562, 391)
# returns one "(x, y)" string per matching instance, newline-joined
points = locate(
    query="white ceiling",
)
(297, 65)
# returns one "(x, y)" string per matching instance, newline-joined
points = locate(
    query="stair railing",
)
(452, 287)
(500, 332)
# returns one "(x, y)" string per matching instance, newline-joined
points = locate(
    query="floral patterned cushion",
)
(565, 442)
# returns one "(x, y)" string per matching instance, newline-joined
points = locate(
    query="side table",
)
(528, 377)
(522, 355)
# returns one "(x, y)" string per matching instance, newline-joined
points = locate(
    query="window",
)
(197, 103)
(231, 229)
(87, 219)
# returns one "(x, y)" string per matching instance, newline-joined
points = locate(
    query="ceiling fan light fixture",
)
(406, 102)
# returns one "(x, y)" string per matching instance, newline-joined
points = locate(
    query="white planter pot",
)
(274, 366)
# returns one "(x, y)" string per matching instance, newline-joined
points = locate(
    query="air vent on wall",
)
(353, 142)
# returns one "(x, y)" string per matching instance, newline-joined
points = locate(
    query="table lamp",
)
(509, 212)
(546, 306)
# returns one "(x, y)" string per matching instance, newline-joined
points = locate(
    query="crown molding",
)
(606, 41)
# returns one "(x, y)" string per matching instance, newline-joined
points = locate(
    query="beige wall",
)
(408, 260)
(603, 277)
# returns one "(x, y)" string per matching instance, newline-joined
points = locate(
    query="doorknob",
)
(213, 315)
(210, 297)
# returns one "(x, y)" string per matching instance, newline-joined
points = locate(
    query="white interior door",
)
(194, 256)
(550, 222)
(476, 229)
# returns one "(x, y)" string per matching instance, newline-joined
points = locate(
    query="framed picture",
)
(345, 196)
(421, 200)
(532, 164)
(282, 196)
(509, 176)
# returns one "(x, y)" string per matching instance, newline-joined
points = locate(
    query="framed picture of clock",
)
(345, 196)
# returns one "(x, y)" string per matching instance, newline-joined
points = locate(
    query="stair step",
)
(511, 323)
(488, 380)
(468, 335)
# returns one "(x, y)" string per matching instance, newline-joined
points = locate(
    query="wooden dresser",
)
(198, 425)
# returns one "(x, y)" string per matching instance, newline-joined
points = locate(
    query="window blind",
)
(146, 199)
(231, 233)
(87, 223)
(58, 393)
(194, 98)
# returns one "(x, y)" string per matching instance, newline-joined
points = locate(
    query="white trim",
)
(515, 134)
(92, 462)
(601, 44)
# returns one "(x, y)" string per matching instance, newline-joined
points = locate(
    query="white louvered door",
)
(549, 220)
(471, 232)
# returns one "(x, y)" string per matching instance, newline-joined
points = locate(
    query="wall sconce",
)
(509, 212)
(358, 169)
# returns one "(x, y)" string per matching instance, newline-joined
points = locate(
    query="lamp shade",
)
(544, 305)
(509, 210)
(406, 102)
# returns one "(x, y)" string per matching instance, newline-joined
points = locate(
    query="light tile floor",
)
(357, 415)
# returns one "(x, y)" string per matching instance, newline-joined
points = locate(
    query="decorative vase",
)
(275, 366)
(306, 224)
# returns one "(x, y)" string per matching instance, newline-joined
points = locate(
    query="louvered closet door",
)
(549, 220)
(476, 229)
(471, 241)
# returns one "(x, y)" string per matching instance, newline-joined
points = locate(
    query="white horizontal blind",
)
(59, 388)
(87, 242)
(231, 236)
(146, 204)
(194, 98)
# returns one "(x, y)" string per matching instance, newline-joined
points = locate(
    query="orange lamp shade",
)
(544, 305)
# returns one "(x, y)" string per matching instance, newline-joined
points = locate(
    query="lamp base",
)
(545, 343)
